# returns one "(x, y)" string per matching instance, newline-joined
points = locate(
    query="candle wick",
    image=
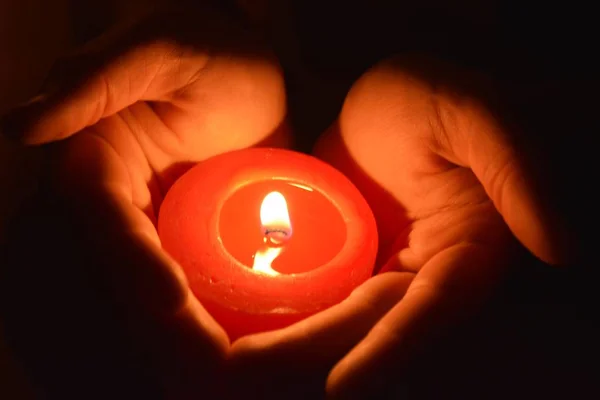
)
(275, 240)
(276, 230)
(276, 237)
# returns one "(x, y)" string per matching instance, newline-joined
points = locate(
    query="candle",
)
(267, 237)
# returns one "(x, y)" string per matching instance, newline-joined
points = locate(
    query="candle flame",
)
(264, 258)
(275, 219)
(277, 230)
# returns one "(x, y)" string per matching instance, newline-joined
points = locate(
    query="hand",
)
(132, 112)
(450, 192)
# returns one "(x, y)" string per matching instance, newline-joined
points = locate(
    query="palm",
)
(424, 200)
(447, 190)
(186, 107)
(454, 209)
(448, 208)
(147, 145)
(441, 235)
(181, 84)
(134, 125)
(445, 185)
(424, 203)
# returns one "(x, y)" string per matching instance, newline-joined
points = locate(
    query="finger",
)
(170, 324)
(428, 119)
(189, 352)
(97, 186)
(308, 349)
(448, 288)
(479, 140)
(150, 71)
(164, 316)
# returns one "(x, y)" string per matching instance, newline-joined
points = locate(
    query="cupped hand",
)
(451, 191)
(131, 112)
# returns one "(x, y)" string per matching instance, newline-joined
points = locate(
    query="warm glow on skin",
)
(150, 109)
(438, 156)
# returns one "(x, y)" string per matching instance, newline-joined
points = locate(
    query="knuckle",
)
(424, 288)
(369, 106)
(372, 94)
(430, 100)
(396, 93)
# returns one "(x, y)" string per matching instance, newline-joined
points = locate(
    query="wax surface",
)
(319, 231)
(209, 223)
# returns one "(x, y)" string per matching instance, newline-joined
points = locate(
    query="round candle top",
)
(267, 237)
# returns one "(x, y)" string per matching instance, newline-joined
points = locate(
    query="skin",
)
(450, 194)
(132, 111)
(446, 183)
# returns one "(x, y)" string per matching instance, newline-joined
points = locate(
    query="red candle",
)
(268, 237)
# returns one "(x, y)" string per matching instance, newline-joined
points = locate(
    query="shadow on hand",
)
(506, 350)
(60, 316)
(391, 217)
(63, 316)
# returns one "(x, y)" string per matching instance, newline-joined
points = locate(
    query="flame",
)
(275, 219)
(277, 230)
(264, 258)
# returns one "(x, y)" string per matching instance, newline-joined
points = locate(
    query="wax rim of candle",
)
(231, 282)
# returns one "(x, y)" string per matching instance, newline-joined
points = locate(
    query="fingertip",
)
(332, 385)
(240, 356)
(249, 367)
(18, 124)
(343, 383)
(243, 346)
(359, 376)
(368, 387)
(262, 340)
(254, 354)
(154, 280)
(196, 315)
(541, 229)
(556, 256)
(566, 248)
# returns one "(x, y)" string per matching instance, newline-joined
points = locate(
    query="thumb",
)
(476, 131)
(466, 130)
(506, 172)
(151, 71)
